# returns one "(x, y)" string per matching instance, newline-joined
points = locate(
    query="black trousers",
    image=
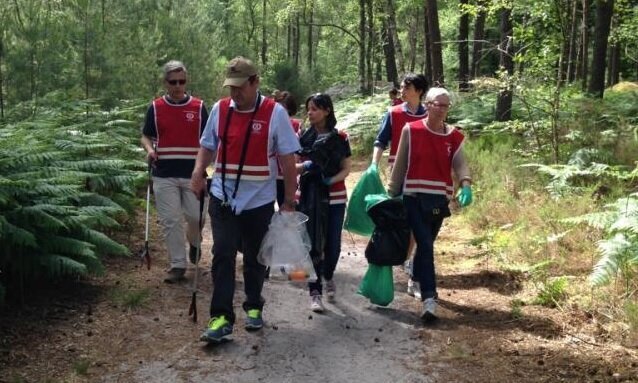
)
(232, 233)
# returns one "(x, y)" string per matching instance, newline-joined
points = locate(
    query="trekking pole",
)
(145, 255)
(192, 310)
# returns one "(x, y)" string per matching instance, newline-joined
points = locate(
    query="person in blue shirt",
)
(244, 135)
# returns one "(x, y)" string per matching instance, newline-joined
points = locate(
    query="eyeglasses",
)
(438, 105)
(175, 82)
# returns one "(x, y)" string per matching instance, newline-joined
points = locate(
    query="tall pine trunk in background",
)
(427, 45)
(392, 26)
(311, 17)
(464, 65)
(583, 63)
(573, 42)
(388, 52)
(264, 44)
(370, 48)
(604, 12)
(435, 43)
(477, 45)
(362, 46)
(504, 99)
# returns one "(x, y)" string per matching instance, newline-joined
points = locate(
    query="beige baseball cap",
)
(238, 71)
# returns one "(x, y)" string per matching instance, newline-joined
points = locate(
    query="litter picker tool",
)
(145, 255)
(192, 310)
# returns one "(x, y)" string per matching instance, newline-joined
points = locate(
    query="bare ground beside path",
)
(94, 331)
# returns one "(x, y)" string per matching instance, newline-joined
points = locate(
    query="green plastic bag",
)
(377, 285)
(357, 220)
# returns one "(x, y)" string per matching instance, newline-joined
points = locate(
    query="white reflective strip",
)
(177, 149)
(338, 201)
(408, 189)
(425, 182)
(246, 167)
(338, 193)
(176, 157)
(245, 177)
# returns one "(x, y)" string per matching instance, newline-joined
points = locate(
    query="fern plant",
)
(65, 178)
(619, 249)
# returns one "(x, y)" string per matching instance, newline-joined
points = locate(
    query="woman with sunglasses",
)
(325, 164)
(174, 123)
(428, 150)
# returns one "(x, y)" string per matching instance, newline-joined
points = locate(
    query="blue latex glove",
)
(327, 181)
(464, 196)
(307, 165)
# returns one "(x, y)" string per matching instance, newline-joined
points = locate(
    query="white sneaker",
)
(331, 290)
(315, 304)
(413, 289)
(429, 310)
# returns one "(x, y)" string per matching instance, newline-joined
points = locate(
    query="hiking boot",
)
(429, 310)
(331, 290)
(315, 304)
(219, 330)
(175, 275)
(194, 254)
(253, 320)
(413, 289)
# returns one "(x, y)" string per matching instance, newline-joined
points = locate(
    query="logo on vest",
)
(449, 148)
(190, 116)
(256, 127)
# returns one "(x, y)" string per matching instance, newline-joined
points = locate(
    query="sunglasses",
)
(175, 82)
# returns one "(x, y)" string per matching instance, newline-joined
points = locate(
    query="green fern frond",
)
(104, 244)
(68, 246)
(16, 236)
(614, 253)
(601, 220)
(38, 216)
(58, 265)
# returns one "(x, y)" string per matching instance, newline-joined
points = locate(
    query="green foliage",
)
(361, 117)
(619, 249)
(131, 299)
(81, 366)
(516, 308)
(631, 313)
(61, 177)
(552, 292)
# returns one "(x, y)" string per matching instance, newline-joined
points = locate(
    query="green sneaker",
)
(219, 330)
(253, 320)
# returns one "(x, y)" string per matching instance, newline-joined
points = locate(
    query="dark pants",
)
(280, 193)
(231, 233)
(425, 230)
(325, 267)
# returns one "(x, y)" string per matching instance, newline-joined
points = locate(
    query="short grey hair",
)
(174, 66)
(435, 92)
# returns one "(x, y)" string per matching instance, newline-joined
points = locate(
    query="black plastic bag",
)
(327, 152)
(389, 243)
(314, 203)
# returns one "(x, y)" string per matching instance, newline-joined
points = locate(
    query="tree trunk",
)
(289, 40)
(264, 44)
(584, 57)
(435, 34)
(504, 100)
(296, 41)
(464, 31)
(412, 31)
(573, 43)
(310, 36)
(388, 51)
(614, 65)
(370, 48)
(392, 26)
(1, 78)
(477, 45)
(604, 12)
(427, 45)
(362, 46)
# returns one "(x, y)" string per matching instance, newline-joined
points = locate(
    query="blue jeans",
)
(232, 233)
(425, 230)
(325, 268)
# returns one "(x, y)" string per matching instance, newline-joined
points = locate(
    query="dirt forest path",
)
(128, 326)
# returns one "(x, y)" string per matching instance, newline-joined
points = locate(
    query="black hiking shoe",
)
(193, 255)
(175, 275)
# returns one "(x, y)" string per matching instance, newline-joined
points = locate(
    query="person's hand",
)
(308, 165)
(198, 184)
(327, 181)
(151, 157)
(288, 206)
(464, 196)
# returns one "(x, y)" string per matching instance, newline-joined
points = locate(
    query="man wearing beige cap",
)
(243, 136)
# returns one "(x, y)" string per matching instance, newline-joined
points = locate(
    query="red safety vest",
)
(256, 165)
(398, 118)
(430, 159)
(338, 194)
(178, 128)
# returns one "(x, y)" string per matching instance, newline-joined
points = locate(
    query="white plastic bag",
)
(286, 247)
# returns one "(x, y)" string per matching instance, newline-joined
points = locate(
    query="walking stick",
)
(145, 255)
(192, 310)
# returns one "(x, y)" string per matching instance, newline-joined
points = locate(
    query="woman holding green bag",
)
(428, 150)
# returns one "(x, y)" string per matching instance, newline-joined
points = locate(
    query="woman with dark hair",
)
(325, 154)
